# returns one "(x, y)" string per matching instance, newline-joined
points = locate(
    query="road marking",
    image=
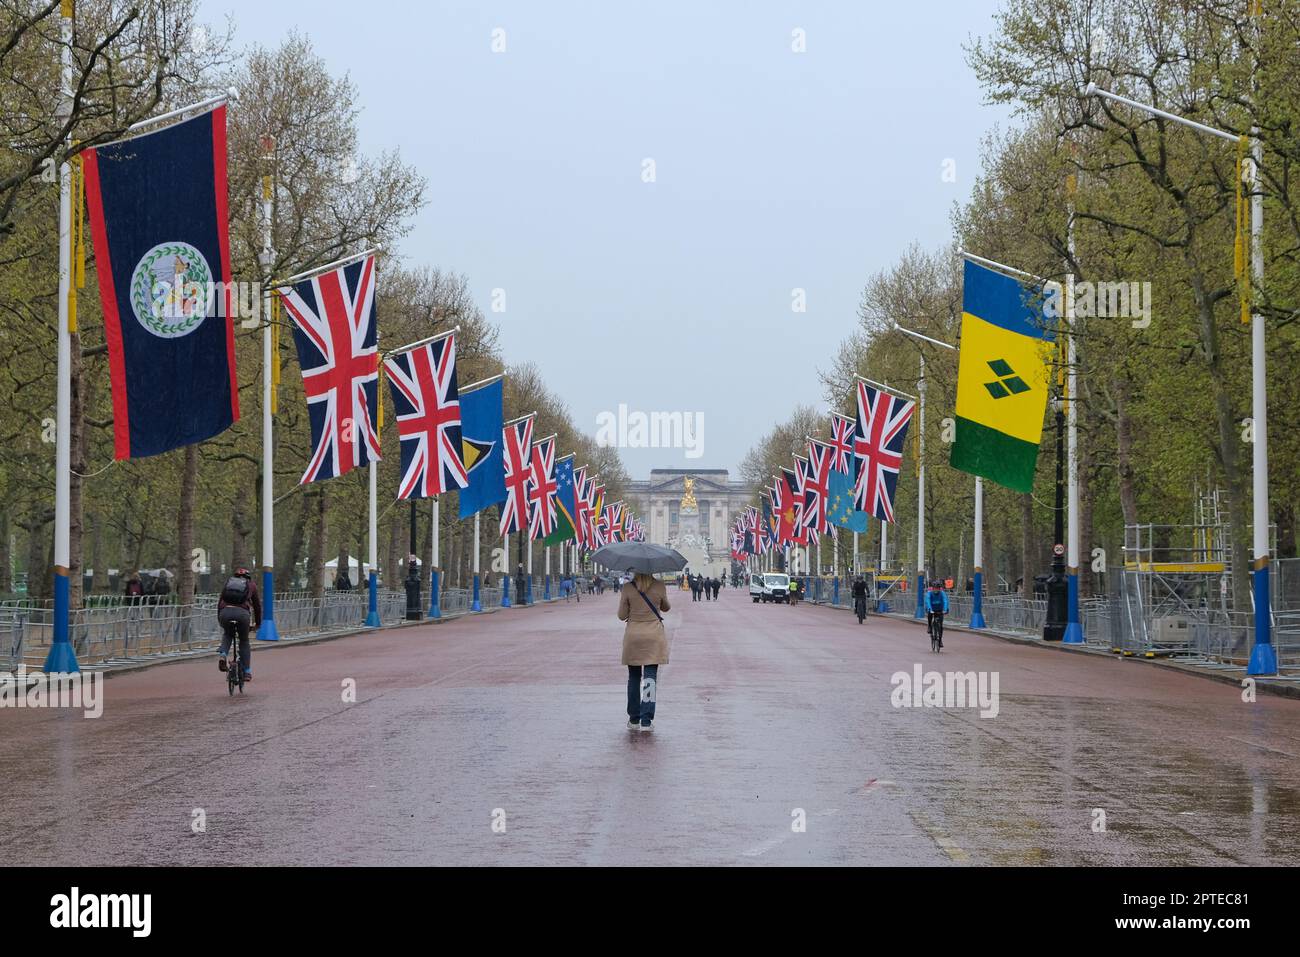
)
(1262, 747)
(936, 834)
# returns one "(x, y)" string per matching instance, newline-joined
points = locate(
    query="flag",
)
(817, 475)
(541, 489)
(791, 510)
(839, 509)
(426, 404)
(583, 507)
(517, 438)
(1002, 379)
(612, 523)
(158, 217)
(566, 505)
(334, 331)
(878, 443)
(841, 444)
(480, 442)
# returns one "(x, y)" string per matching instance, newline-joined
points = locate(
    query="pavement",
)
(500, 740)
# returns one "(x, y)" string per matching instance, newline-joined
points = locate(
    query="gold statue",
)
(688, 500)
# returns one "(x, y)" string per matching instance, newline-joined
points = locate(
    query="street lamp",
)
(1057, 589)
(1263, 657)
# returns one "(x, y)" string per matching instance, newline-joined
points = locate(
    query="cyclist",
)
(860, 598)
(936, 605)
(238, 610)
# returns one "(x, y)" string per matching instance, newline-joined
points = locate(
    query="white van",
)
(771, 586)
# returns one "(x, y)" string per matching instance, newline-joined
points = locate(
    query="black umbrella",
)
(639, 557)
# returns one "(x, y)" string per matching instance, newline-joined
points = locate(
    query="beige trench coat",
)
(644, 640)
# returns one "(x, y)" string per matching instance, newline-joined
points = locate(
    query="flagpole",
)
(920, 500)
(546, 588)
(476, 604)
(321, 270)
(1074, 627)
(977, 606)
(528, 582)
(882, 605)
(435, 599)
(268, 631)
(372, 578)
(62, 659)
(505, 590)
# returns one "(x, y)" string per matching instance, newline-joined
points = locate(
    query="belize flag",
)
(157, 207)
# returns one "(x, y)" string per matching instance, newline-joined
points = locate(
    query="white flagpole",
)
(61, 658)
(372, 577)
(435, 576)
(268, 630)
(476, 604)
(528, 570)
(977, 606)
(920, 500)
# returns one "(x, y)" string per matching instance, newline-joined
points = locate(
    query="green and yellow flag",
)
(1002, 379)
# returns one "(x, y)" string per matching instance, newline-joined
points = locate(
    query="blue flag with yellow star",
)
(839, 508)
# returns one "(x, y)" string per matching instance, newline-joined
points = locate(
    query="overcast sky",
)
(774, 171)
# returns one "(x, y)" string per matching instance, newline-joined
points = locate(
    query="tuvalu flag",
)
(1002, 379)
(157, 205)
(566, 507)
(480, 441)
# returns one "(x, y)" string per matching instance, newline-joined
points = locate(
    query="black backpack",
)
(236, 591)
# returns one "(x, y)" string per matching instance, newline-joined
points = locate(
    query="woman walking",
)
(645, 645)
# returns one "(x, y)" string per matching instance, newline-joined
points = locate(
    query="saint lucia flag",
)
(1002, 379)
(480, 437)
(565, 501)
(157, 207)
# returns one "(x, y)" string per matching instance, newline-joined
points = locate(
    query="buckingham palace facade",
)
(690, 505)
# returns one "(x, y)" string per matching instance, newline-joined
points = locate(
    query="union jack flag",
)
(541, 489)
(817, 491)
(335, 333)
(878, 443)
(427, 406)
(841, 444)
(612, 523)
(516, 455)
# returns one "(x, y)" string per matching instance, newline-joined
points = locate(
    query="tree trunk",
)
(1124, 452)
(1227, 449)
(6, 555)
(1087, 582)
(185, 528)
(240, 530)
(99, 584)
(392, 574)
(37, 571)
(344, 560)
(1028, 558)
(316, 550)
(286, 569)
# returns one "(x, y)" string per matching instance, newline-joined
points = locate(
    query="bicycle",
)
(860, 607)
(936, 631)
(235, 665)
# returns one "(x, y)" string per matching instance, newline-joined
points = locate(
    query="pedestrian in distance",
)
(134, 589)
(641, 603)
(716, 586)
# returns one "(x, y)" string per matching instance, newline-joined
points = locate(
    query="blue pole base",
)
(546, 588)
(920, 597)
(528, 590)
(505, 592)
(1073, 634)
(435, 610)
(267, 631)
(1073, 629)
(62, 659)
(882, 607)
(1263, 657)
(977, 602)
(372, 611)
(835, 593)
(1263, 660)
(476, 605)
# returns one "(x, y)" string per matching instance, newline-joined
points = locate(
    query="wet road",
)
(765, 711)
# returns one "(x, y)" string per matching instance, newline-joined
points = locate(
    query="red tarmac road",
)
(764, 709)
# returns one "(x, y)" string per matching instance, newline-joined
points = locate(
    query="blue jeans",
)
(234, 619)
(638, 708)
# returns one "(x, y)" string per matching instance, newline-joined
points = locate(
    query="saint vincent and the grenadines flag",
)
(1002, 379)
(157, 205)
